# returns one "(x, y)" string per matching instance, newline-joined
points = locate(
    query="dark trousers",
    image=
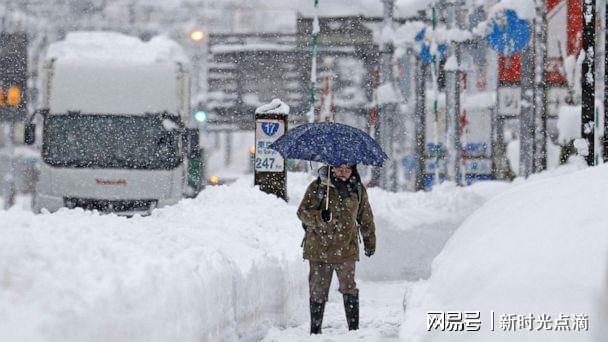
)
(319, 279)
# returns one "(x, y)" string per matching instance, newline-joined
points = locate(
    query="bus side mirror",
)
(29, 134)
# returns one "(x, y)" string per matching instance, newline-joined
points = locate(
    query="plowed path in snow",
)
(381, 312)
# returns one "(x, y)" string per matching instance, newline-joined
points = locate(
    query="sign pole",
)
(270, 173)
(9, 177)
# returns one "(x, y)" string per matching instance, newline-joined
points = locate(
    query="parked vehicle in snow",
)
(116, 115)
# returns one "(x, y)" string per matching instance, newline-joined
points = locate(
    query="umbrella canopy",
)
(330, 143)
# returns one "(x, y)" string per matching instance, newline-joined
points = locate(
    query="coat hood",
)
(322, 173)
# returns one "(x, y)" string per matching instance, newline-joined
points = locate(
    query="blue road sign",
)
(509, 34)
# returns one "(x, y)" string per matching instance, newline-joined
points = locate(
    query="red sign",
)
(565, 25)
(575, 26)
(509, 68)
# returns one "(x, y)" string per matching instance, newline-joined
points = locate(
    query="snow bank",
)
(224, 266)
(538, 248)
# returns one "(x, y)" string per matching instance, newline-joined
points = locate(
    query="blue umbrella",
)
(330, 143)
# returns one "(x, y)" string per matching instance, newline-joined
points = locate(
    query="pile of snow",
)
(276, 106)
(224, 266)
(553, 156)
(569, 123)
(539, 248)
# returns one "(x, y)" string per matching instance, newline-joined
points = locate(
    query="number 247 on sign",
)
(264, 163)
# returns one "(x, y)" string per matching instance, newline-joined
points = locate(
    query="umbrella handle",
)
(327, 192)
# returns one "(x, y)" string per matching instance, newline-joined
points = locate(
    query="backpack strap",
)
(320, 193)
(359, 192)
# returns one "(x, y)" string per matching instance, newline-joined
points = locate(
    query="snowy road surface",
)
(225, 266)
(381, 315)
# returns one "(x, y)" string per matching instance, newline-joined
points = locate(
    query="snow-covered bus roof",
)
(113, 47)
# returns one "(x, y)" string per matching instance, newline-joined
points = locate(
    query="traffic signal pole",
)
(588, 82)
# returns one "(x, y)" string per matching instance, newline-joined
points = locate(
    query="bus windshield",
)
(110, 141)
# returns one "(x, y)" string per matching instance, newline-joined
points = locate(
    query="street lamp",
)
(197, 35)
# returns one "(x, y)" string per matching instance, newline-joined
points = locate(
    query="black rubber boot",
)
(316, 317)
(351, 307)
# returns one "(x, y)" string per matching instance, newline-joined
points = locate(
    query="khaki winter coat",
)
(336, 241)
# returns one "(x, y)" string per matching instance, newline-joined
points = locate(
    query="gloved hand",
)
(326, 215)
(369, 252)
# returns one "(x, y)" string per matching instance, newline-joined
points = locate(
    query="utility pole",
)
(388, 109)
(526, 120)
(419, 122)
(588, 82)
(312, 113)
(540, 87)
(605, 142)
(452, 93)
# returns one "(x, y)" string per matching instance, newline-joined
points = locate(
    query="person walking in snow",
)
(333, 212)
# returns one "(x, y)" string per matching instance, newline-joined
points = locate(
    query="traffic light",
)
(13, 96)
(200, 114)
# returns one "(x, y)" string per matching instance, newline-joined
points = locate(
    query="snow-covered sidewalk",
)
(381, 314)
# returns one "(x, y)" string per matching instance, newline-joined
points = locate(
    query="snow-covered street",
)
(203, 269)
(303, 170)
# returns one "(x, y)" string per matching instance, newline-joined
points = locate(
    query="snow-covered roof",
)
(367, 8)
(226, 48)
(101, 47)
